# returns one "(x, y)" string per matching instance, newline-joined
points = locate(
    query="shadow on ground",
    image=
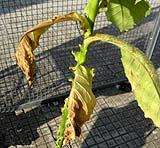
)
(114, 127)
(24, 129)
(119, 127)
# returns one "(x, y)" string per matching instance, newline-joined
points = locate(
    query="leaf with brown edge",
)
(81, 101)
(24, 54)
(30, 40)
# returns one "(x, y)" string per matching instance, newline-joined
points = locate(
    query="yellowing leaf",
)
(145, 83)
(30, 40)
(81, 101)
(141, 74)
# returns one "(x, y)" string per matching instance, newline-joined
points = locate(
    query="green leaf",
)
(127, 13)
(141, 74)
(144, 80)
(91, 11)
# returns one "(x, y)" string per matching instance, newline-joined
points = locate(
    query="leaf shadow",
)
(120, 127)
(25, 128)
(33, 127)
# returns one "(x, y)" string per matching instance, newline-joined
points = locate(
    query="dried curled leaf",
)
(24, 53)
(81, 101)
(30, 40)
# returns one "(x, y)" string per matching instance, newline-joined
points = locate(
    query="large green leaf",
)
(141, 74)
(144, 80)
(126, 13)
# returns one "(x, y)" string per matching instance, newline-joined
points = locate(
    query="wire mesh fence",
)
(53, 56)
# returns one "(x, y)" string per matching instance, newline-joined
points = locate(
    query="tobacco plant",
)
(138, 68)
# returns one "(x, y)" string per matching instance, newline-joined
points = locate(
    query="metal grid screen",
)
(53, 56)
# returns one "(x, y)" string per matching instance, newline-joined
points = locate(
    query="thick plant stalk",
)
(62, 127)
(91, 11)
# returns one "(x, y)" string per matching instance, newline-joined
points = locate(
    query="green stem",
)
(91, 11)
(80, 57)
(61, 130)
(106, 38)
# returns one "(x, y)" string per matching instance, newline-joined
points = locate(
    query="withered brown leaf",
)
(81, 101)
(30, 40)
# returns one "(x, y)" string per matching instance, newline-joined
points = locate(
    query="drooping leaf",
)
(24, 54)
(81, 101)
(141, 74)
(145, 83)
(30, 40)
(127, 13)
